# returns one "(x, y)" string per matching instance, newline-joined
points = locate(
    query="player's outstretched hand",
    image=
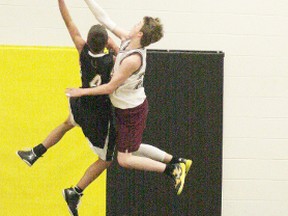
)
(73, 92)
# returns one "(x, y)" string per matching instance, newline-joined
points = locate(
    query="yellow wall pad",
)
(32, 99)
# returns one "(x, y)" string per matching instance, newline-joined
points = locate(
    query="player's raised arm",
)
(101, 15)
(112, 45)
(72, 28)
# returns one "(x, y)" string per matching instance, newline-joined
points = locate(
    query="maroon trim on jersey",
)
(134, 53)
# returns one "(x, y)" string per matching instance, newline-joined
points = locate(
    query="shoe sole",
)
(182, 178)
(64, 195)
(27, 162)
(188, 165)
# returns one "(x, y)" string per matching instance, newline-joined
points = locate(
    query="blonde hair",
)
(152, 31)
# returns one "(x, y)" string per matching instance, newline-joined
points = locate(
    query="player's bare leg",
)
(177, 171)
(56, 135)
(32, 155)
(72, 195)
(93, 172)
(152, 152)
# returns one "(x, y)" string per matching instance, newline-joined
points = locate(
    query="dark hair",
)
(152, 31)
(97, 38)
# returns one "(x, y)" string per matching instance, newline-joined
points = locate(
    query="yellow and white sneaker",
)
(188, 163)
(179, 174)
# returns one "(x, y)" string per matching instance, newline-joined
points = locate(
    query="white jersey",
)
(131, 93)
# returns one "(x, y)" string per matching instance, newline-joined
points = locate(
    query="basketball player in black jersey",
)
(92, 113)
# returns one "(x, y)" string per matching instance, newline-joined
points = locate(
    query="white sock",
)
(149, 151)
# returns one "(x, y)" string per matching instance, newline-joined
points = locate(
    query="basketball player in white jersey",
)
(127, 95)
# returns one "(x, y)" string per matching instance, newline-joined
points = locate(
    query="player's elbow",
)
(110, 88)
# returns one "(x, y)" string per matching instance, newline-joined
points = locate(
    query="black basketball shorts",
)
(96, 122)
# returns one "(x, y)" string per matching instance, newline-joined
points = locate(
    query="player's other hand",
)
(73, 92)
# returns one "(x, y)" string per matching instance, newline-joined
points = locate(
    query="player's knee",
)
(123, 160)
(108, 164)
(68, 124)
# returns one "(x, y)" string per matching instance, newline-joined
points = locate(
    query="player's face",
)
(136, 28)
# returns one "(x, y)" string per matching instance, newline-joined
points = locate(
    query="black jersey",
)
(95, 70)
(94, 113)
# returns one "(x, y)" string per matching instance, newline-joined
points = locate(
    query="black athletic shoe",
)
(29, 157)
(179, 174)
(72, 199)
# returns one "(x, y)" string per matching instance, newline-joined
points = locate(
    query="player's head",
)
(152, 30)
(97, 38)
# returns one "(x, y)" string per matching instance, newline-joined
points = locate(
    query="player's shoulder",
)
(85, 49)
(133, 59)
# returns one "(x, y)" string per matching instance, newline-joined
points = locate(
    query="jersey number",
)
(96, 81)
